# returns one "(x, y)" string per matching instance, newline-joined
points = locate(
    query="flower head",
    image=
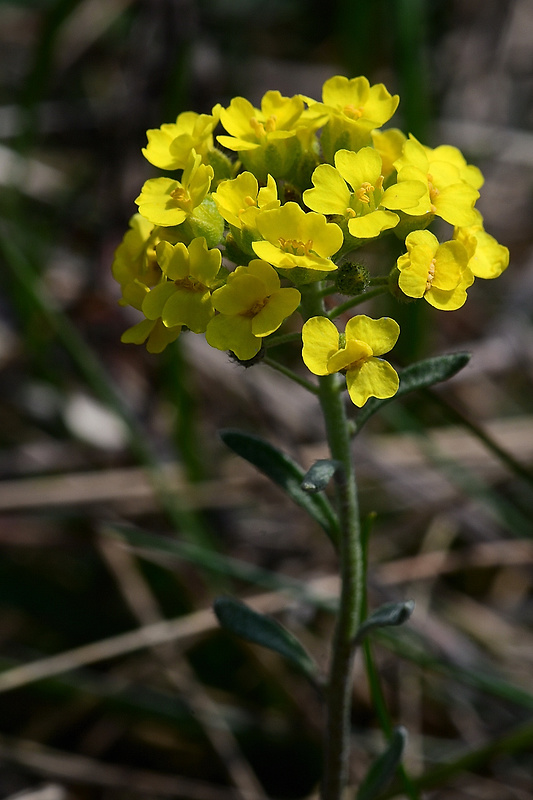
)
(184, 297)
(353, 109)
(356, 354)
(251, 305)
(240, 200)
(170, 145)
(450, 191)
(487, 258)
(296, 239)
(164, 201)
(354, 189)
(152, 332)
(437, 272)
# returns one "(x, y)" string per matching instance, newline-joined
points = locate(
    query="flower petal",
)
(374, 378)
(320, 340)
(380, 334)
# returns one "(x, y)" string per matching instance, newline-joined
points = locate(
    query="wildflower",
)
(252, 305)
(184, 298)
(297, 239)
(487, 258)
(363, 202)
(170, 145)
(389, 145)
(354, 108)
(135, 266)
(264, 138)
(356, 354)
(437, 272)
(448, 194)
(239, 200)
(164, 201)
(156, 335)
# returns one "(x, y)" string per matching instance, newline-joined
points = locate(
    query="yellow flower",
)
(164, 201)
(135, 266)
(487, 258)
(252, 305)
(239, 200)
(296, 239)
(437, 272)
(353, 108)
(185, 298)
(449, 195)
(170, 145)
(153, 332)
(356, 354)
(265, 138)
(389, 145)
(363, 202)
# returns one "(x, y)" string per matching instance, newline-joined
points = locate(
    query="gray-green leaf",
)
(237, 617)
(284, 472)
(382, 770)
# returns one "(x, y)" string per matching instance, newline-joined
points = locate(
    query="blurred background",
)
(102, 443)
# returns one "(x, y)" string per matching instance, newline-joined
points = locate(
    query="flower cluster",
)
(258, 215)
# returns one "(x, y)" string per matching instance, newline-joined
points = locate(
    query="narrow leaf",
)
(319, 475)
(235, 616)
(386, 615)
(420, 375)
(284, 472)
(382, 770)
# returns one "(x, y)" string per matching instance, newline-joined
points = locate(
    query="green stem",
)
(339, 689)
(270, 362)
(355, 301)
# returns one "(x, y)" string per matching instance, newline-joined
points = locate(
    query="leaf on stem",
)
(284, 472)
(385, 616)
(237, 617)
(382, 770)
(319, 475)
(420, 375)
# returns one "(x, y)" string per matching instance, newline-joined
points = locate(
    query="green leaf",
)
(420, 375)
(284, 472)
(382, 770)
(235, 616)
(386, 615)
(319, 475)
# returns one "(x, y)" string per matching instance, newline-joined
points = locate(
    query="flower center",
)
(295, 247)
(181, 198)
(190, 284)
(369, 195)
(262, 128)
(433, 193)
(431, 275)
(352, 112)
(256, 308)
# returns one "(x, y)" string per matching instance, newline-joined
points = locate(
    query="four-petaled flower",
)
(164, 201)
(451, 186)
(356, 354)
(296, 239)
(487, 257)
(251, 305)
(437, 272)
(170, 145)
(184, 297)
(240, 200)
(363, 202)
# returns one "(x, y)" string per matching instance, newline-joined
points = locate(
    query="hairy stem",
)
(351, 557)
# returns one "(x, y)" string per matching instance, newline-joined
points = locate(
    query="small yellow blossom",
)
(239, 200)
(363, 202)
(437, 272)
(170, 145)
(164, 201)
(487, 258)
(449, 194)
(135, 266)
(252, 305)
(389, 145)
(356, 354)
(184, 298)
(264, 138)
(296, 239)
(156, 335)
(353, 108)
